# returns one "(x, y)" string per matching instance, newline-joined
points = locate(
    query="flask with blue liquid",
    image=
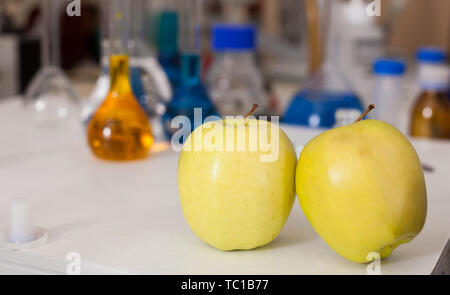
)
(190, 93)
(327, 90)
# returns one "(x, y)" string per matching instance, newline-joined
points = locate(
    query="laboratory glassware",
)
(328, 88)
(191, 93)
(234, 81)
(50, 95)
(149, 82)
(167, 40)
(430, 115)
(390, 92)
(102, 85)
(120, 129)
(157, 90)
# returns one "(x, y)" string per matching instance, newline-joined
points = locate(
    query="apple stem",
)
(255, 106)
(369, 108)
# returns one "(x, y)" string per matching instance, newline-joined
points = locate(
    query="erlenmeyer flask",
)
(327, 90)
(50, 95)
(120, 129)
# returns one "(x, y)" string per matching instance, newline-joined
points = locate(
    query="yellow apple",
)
(362, 188)
(235, 192)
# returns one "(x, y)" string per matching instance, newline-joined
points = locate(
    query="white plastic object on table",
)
(22, 233)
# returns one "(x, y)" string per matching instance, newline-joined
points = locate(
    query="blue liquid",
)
(171, 66)
(316, 109)
(190, 70)
(190, 94)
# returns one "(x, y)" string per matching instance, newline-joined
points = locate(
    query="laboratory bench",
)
(126, 218)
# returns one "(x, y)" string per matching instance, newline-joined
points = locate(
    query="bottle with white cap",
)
(389, 92)
(431, 113)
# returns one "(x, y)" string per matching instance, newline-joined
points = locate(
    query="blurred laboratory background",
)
(314, 63)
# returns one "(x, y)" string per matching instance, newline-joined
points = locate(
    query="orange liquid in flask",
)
(120, 129)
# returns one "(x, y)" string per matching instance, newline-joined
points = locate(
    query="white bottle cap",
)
(21, 229)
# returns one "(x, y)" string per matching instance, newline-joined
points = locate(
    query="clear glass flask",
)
(148, 79)
(50, 96)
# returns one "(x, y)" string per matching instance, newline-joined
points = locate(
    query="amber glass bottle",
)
(431, 115)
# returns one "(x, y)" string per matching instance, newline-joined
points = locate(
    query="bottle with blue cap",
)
(389, 92)
(431, 112)
(234, 81)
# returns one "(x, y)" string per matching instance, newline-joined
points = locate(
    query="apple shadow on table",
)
(297, 230)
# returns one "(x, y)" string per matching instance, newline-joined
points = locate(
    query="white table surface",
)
(126, 217)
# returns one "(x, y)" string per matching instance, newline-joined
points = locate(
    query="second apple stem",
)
(369, 108)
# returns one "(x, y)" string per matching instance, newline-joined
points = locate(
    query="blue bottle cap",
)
(389, 66)
(232, 37)
(431, 55)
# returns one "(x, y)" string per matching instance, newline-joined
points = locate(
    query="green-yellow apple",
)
(362, 188)
(236, 182)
